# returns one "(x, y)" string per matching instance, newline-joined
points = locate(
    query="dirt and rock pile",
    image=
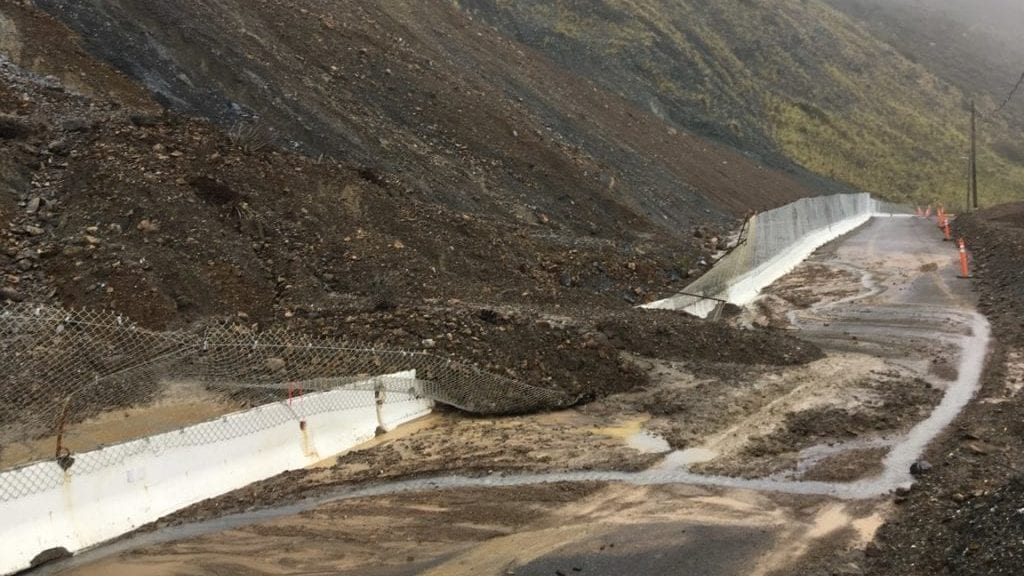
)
(169, 221)
(995, 237)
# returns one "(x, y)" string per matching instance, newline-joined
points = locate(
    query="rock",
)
(26, 254)
(91, 240)
(920, 468)
(77, 125)
(33, 205)
(13, 128)
(11, 294)
(275, 364)
(50, 555)
(428, 343)
(977, 449)
(51, 82)
(34, 230)
(147, 226)
(213, 191)
(850, 569)
(59, 147)
(146, 119)
(48, 250)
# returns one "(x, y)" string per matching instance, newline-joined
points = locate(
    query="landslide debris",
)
(995, 237)
(115, 204)
(428, 98)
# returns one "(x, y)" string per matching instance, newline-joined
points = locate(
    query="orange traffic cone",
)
(964, 271)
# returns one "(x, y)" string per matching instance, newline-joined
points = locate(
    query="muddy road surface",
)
(713, 468)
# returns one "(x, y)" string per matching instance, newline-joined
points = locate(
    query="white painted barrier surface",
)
(747, 286)
(158, 475)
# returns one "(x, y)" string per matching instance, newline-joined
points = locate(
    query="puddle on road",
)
(811, 457)
(648, 443)
(634, 435)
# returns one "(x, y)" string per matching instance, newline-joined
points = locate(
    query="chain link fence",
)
(74, 381)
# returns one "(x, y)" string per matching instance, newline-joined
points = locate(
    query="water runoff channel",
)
(903, 302)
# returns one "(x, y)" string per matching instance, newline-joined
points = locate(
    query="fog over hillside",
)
(976, 44)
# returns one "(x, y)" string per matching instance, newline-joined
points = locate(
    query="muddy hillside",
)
(465, 197)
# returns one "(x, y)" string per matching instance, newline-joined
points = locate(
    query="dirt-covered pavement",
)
(964, 517)
(889, 314)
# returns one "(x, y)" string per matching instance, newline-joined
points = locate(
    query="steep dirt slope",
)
(108, 201)
(421, 96)
(468, 169)
(786, 76)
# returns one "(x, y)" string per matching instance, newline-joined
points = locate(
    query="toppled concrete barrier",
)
(104, 493)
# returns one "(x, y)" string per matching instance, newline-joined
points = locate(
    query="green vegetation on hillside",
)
(794, 78)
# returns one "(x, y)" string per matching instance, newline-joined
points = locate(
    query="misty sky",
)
(1002, 19)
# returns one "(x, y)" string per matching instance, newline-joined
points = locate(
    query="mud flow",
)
(724, 468)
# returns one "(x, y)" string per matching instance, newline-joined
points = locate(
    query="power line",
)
(1010, 96)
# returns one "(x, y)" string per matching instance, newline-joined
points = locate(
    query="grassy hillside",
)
(790, 78)
(975, 46)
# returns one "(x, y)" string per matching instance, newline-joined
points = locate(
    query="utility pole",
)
(972, 199)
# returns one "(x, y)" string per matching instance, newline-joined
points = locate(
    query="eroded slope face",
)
(456, 165)
(423, 95)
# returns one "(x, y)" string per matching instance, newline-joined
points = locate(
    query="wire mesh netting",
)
(73, 381)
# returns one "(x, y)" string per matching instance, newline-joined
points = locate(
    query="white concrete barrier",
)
(747, 287)
(740, 281)
(116, 489)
